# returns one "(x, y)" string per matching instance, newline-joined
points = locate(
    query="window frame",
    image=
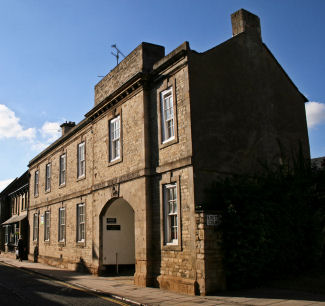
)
(81, 163)
(47, 225)
(62, 225)
(115, 140)
(6, 234)
(62, 171)
(169, 226)
(35, 226)
(36, 183)
(16, 233)
(81, 227)
(164, 120)
(48, 177)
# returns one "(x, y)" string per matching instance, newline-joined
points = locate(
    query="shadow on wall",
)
(82, 267)
(36, 254)
(94, 253)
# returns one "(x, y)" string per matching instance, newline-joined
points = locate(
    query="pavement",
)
(122, 288)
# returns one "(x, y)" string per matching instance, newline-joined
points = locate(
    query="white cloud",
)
(5, 183)
(51, 131)
(315, 113)
(39, 146)
(39, 139)
(10, 126)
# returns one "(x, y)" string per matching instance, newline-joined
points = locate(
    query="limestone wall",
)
(140, 59)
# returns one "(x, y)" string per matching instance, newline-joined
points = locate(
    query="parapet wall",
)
(141, 59)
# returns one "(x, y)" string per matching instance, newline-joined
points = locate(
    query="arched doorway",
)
(117, 237)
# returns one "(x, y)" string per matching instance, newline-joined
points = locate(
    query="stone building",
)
(14, 201)
(126, 185)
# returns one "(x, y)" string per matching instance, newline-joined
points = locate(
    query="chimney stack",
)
(67, 126)
(244, 21)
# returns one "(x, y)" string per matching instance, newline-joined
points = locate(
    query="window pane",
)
(47, 226)
(115, 138)
(81, 159)
(170, 207)
(80, 222)
(35, 227)
(167, 115)
(61, 224)
(36, 183)
(48, 177)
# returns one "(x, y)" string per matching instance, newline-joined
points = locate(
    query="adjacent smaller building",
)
(14, 202)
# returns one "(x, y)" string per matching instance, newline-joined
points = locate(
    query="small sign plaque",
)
(213, 220)
(114, 227)
(110, 220)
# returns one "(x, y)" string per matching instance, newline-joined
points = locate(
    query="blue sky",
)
(51, 53)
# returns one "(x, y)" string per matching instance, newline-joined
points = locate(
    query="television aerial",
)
(117, 54)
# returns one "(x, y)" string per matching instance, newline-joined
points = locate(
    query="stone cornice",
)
(121, 93)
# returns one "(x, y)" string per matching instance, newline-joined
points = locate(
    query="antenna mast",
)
(117, 54)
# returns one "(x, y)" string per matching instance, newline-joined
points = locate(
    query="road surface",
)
(22, 287)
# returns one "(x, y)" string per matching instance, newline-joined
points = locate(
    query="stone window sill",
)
(172, 247)
(168, 143)
(80, 178)
(80, 244)
(114, 162)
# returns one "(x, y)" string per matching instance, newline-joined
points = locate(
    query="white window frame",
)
(36, 182)
(47, 225)
(171, 214)
(35, 227)
(61, 229)
(63, 165)
(81, 160)
(48, 177)
(167, 115)
(115, 139)
(81, 222)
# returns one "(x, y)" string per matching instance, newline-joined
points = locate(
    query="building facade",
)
(126, 186)
(14, 201)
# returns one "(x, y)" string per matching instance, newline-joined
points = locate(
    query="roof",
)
(17, 183)
(15, 218)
